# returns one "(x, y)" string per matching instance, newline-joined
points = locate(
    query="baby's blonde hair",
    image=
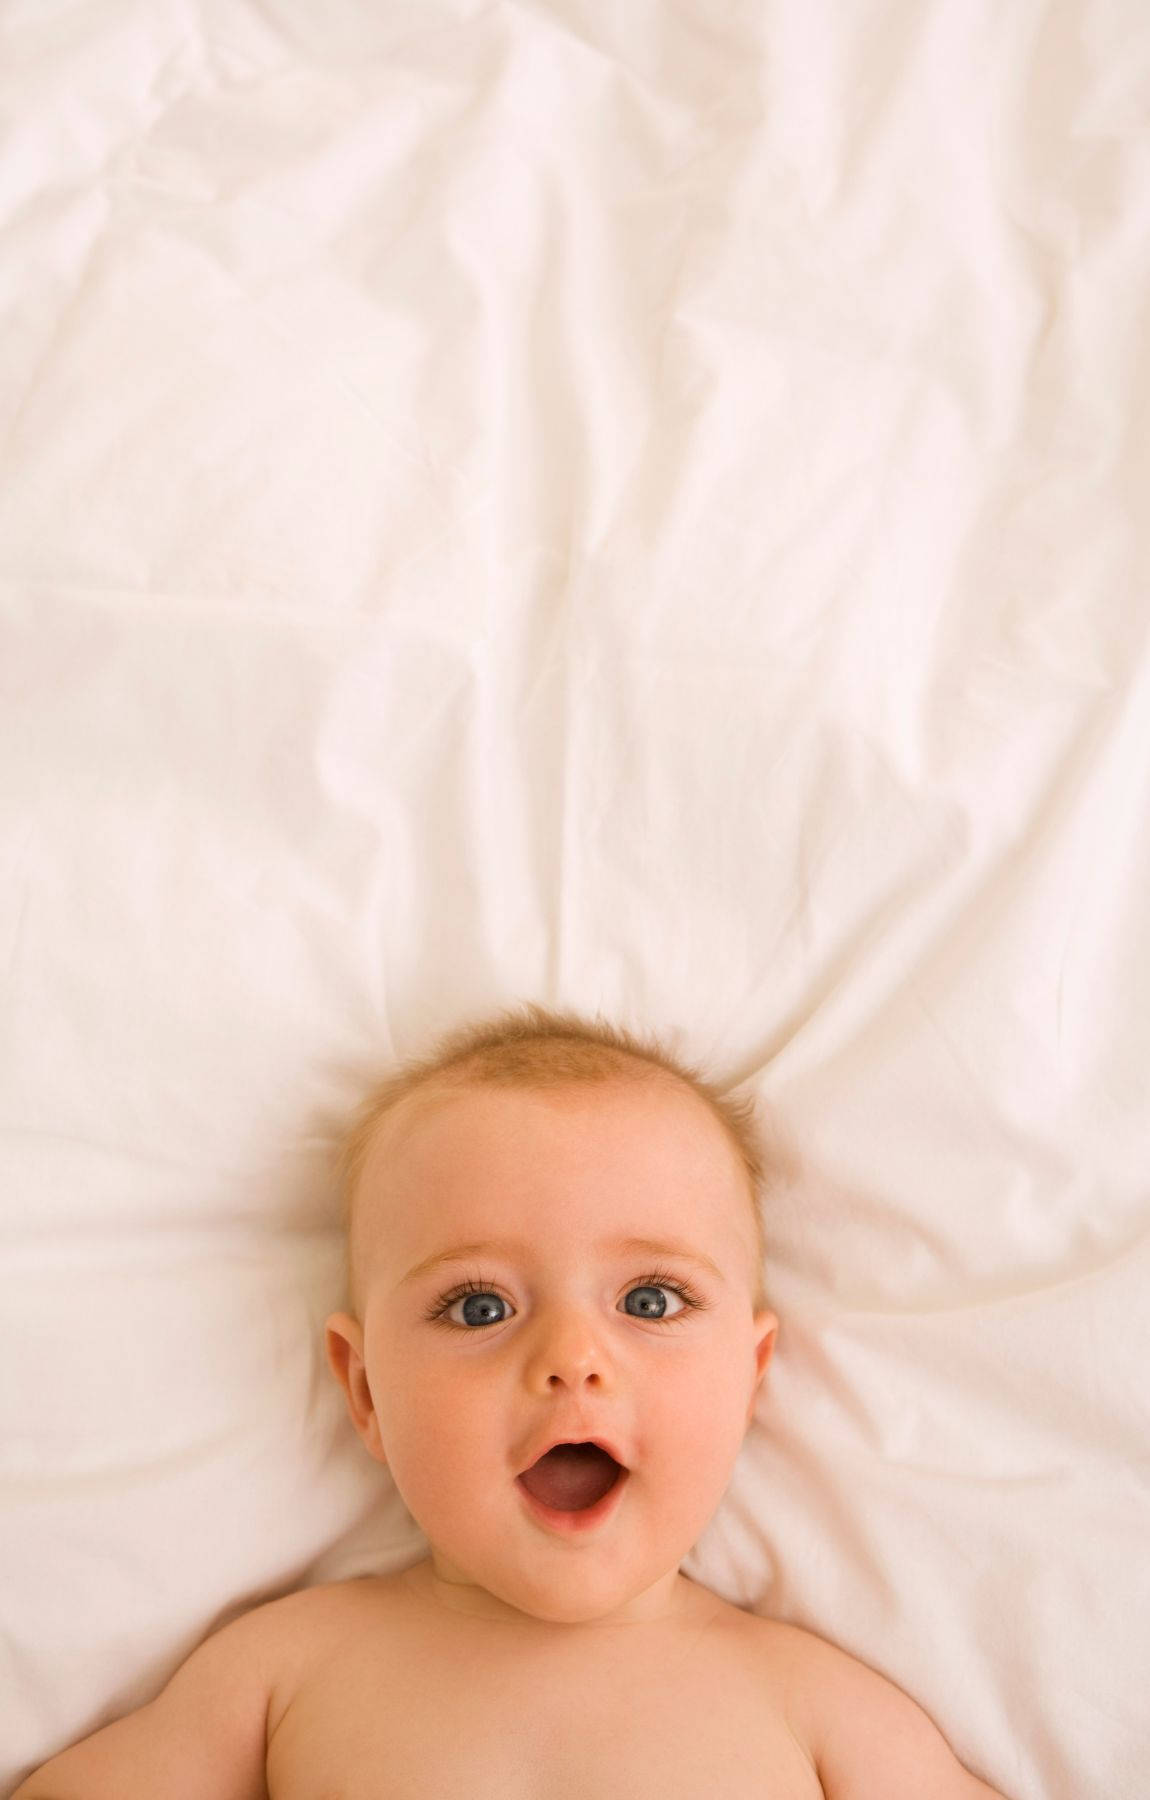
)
(532, 1046)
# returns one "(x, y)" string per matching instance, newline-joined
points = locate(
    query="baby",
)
(558, 1331)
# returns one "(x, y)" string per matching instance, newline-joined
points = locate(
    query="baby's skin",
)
(530, 1268)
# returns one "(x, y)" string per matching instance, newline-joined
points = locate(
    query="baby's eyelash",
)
(476, 1284)
(678, 1285)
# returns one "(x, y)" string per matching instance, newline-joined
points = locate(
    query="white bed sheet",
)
(640, 508)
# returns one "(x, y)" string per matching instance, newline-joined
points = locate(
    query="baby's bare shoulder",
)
(789, 1653)
(304, 1627)
(293, 1620)
(864, 1733)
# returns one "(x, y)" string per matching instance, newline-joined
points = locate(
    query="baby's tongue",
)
(570, 1477)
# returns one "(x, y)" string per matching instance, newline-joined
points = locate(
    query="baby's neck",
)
(673, 1600)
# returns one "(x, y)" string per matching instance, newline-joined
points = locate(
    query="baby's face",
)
(564, 1336)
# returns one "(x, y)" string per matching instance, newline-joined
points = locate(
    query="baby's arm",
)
(202, 1738)
(869, 1740)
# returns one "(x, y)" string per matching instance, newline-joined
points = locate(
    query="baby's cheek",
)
(446, 1439)
(704, 1421)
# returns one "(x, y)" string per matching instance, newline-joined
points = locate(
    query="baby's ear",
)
(766, 1326)
(343, 1341)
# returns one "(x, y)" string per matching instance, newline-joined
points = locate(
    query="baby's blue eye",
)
(480, 1304)
(477, 1309)
(650, 1309)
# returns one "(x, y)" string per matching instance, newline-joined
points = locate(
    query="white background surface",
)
(639, 508)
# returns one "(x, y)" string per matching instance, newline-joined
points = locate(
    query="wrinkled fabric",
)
(637, 508)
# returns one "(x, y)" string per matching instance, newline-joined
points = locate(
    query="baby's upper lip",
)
(574, 1436)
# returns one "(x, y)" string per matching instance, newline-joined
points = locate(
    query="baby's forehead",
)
(660, 1168)
(638, 1107)
(481, 1147)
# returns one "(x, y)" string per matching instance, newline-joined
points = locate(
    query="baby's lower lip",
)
(573, 1523)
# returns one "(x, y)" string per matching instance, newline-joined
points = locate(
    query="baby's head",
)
(553, 1236)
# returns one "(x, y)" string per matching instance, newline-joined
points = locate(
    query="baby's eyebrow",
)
(512, 1247)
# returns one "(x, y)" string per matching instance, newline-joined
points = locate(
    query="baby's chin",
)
(647, 1606)
(570, 1597)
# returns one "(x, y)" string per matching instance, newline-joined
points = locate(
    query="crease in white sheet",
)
(635, 508)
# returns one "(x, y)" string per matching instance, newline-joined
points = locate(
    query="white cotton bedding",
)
(642, 508)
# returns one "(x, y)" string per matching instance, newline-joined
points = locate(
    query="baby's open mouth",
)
(572, 1477)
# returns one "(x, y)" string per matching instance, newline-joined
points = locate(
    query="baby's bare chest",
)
(433, 1723)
